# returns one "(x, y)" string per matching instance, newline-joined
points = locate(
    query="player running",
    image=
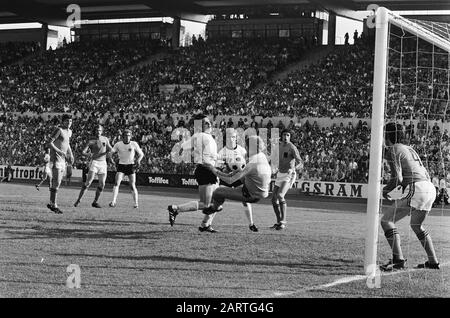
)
(226, 157)
(289, 162)
(204, 149)
(97, 149)
(46, 170)
(407, 170)
(256, 178)
(126, 149)
(60, 151)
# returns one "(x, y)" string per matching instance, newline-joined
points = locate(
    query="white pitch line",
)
(341, 281)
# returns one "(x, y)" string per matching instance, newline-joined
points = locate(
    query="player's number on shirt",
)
(415, 156)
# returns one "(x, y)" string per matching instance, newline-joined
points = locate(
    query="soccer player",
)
(8, 173)
(204, 150)
(60, 151)
(226, 156)
(289, 162)
(407, 170)
(98, 149)
(127, 149)
(47, 172)
(256, 178)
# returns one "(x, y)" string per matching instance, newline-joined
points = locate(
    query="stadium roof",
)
(54, 11)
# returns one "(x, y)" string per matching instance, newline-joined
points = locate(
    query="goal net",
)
(411, 87)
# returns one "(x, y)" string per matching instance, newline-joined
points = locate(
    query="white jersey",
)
(258, 176)
(205, 148)
(127, 152)
(227, 155)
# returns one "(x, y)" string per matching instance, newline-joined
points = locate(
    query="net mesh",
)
(417, 96)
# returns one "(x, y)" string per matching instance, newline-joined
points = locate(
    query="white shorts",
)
(421, 195)
(60, 165)
(98, 167)
(285, 177)
(48, 170)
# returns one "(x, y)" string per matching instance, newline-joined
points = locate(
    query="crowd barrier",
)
(320, 188)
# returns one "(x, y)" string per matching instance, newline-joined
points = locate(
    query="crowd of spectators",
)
(49, 80)
(227, 77)
(11, 52)
(328, 152)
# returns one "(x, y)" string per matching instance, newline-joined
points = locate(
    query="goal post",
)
(383, 19)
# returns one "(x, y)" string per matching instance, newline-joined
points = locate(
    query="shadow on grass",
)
(171, 259)
(89, 222)
(42, 233)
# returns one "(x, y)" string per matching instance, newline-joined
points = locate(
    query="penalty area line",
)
(344, 280)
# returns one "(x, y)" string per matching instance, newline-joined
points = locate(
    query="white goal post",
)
(383, 17)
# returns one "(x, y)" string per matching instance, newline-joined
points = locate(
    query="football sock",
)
(53, 196)
(82, 191)
(248, 212)
(115, 193)
(207, 220)
(135, 196)
(425, 239)
(393, 238)
(97, 193)
(283, 210)
(188, 206)
(276, 208)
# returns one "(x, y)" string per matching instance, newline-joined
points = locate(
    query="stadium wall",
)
(22, 35)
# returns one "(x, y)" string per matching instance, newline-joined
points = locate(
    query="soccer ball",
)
(237, 164)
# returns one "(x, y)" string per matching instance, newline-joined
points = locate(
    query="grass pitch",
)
(124, 252)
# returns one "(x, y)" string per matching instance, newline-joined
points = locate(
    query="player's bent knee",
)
(387, 225)
(421, 234)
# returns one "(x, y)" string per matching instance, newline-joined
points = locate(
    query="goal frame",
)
(383, 17)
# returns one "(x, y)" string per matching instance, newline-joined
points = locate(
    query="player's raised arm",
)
(86, 150)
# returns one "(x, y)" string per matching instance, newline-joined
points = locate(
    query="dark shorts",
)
(125, 169)
(204, 175)
(247, 197)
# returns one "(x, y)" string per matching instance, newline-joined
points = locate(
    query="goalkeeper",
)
(226, 156)
(407, 170)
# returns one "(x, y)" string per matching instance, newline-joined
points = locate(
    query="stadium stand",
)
(224, 78)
